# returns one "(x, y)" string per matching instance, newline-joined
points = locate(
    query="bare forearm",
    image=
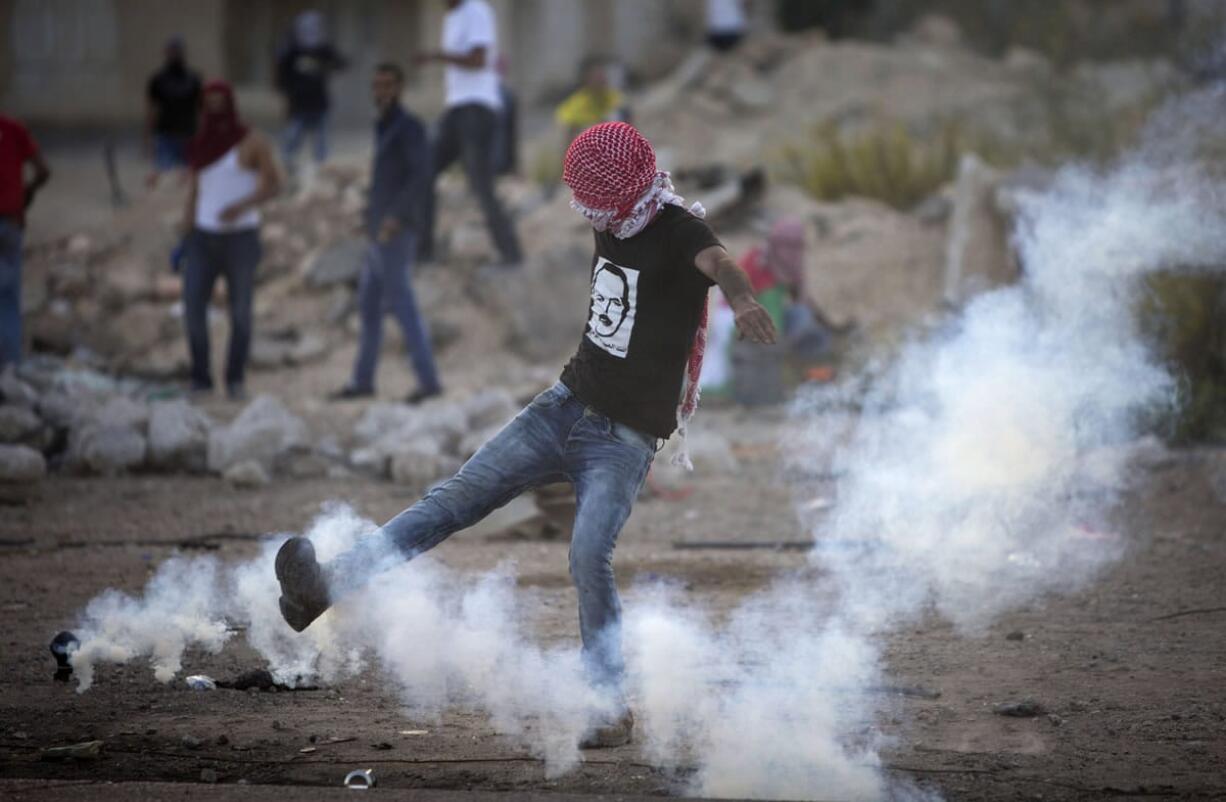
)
(733, 282)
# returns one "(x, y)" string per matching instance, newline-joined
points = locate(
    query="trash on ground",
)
(360, 779)
(88, 750)
(1026, 708)
(200, 682)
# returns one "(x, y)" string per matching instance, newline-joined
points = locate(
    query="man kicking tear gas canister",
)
(630, 385)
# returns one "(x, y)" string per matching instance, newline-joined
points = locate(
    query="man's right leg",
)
(478, 128)
(444, 150)
(198, 278)
(526, 453)
(397, 265)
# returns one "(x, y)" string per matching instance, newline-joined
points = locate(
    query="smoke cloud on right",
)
(976, 474)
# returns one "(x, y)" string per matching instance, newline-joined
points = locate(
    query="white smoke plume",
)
(978, 474)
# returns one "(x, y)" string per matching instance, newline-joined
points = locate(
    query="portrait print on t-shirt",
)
(614, 296)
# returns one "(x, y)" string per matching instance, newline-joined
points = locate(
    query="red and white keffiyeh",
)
(611, 171)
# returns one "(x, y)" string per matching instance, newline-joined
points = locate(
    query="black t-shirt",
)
(646, 302)
(175, 92)
(302, 74)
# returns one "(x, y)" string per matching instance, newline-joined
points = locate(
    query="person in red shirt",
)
(16, 194)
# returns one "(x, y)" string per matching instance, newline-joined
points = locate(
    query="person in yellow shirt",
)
(596, 101)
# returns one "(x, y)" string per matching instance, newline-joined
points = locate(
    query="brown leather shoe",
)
(610, 734)
(304, 592)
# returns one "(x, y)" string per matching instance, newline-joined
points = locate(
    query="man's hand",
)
(232, 212)
(388, 230)
(753, 322)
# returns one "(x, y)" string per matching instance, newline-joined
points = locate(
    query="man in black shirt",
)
(173, 95)
(631, 383)
(303, 69)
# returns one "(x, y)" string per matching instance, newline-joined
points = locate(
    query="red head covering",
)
(219, 130)
(609, 167)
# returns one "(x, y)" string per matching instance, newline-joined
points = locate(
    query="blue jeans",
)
(296, 130)
(10, 293)
(170, 151)
(234, 256)
(385, 287)
(554, 439)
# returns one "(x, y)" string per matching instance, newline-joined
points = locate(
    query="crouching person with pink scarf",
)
(630, 385)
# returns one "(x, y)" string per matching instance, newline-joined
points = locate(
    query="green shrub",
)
(1185, 318)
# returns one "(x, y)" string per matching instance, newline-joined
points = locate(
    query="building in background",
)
(85, 62)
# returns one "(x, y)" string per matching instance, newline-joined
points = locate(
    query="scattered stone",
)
(1026, 708)
(16, 392)
(1016, 634)
(488, 408)
(1056, 721)
(191, 742)
(264, 430)
(208, 776)
(420, 468)
(277, 725)
(222, 740)
(57, 408)
(178, 436)
(106, 450)
(338, 264)
(18, 424)
(381, 746)
(247, 474)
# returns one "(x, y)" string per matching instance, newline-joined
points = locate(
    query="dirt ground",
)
(1130, 669)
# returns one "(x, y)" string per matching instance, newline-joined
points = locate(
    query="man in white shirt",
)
(469, 125)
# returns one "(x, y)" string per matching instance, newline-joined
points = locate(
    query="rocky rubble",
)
(85, 423)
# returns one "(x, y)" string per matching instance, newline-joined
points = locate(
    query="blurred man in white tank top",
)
(233, 172)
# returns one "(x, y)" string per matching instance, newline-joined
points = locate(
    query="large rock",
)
(262, 432)
(867, 263)
(247, 474)
(178, 436)
(20, 465)
(18, 424)
(388, 427)
(491, 407)
(108, 436)
(337, 264)
(106, 450)
(420, 468)
(17, 392)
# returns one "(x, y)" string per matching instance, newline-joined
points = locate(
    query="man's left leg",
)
(609, 463)
(10, 293)
(242, 253)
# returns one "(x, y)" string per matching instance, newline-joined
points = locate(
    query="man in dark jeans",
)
(398, 176)
(470, 125)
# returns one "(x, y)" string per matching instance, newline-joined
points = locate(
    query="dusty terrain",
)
(1129, 669)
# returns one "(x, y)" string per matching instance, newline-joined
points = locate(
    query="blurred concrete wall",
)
(86, 62)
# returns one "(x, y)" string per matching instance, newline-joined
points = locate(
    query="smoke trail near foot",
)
(976, 475)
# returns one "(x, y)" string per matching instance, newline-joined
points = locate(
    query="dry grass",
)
(885, 162)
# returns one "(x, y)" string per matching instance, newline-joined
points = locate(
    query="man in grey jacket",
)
(398, 180)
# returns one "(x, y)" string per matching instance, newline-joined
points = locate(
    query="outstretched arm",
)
(752, 321)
